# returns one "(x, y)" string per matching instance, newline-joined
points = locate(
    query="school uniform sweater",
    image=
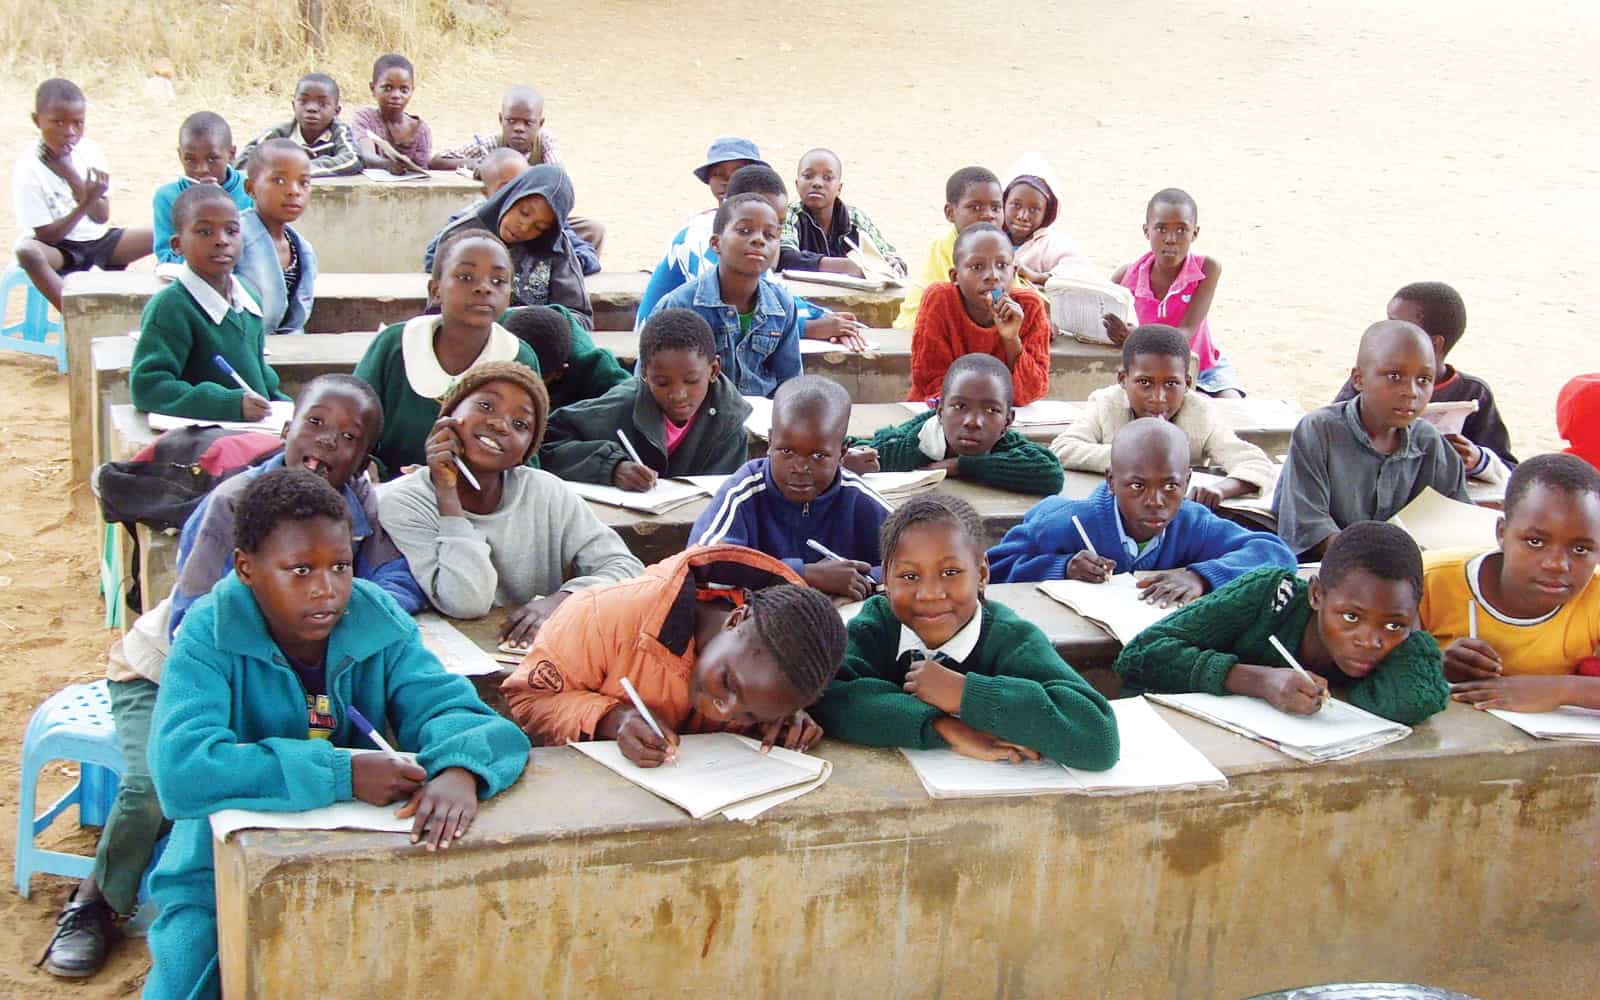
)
(1014, 463)
(749, 509)
(1215, 548)
(173, 371)
(641, 629)
(581, 443)
(944, 332)
(591, 370)
(1017, 688)
(230, 730)
(1193, 649)
(161, 210)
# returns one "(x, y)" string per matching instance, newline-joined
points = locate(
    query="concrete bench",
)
(357, 224)
(576, 883)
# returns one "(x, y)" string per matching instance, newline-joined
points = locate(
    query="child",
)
(682, 415)
(1353, 625)
(336, 419)
(754, 319)
(971, 195)
(529, 214)
(968, 434)
(1484, 444)
(1520, 625)
(206, 151)
(931, 664)
(495, 171)
(799, 495)
(1578, 417)
(393, 81)
(277, 262)
(973, 312)
(1154, 381)
(1041, 245)
(205, 313)
(1171, 285)
(819, 229)
(713, 639)
(414, 364)
(316, 127)
(255, 707)
(59, 197)
(573, 367)
(518, 538)
(1366, 459)
(1137, 521)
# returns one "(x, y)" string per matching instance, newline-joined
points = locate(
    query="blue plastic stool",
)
(32, 334)
(73, 724)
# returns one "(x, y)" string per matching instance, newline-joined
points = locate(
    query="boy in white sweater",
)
(1154, 381)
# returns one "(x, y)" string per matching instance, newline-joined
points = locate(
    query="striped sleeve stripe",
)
(736, 494)
(855, 482)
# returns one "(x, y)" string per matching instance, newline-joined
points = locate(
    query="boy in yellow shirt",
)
(1520, 625)
(971, 195)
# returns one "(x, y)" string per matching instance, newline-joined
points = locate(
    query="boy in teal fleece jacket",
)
(968, 434)
(1353, 625)
(255, 707)
(206, 151)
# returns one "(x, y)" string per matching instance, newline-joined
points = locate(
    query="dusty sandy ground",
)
(1337, 151)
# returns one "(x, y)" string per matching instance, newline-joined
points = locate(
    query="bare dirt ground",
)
(1337, 151)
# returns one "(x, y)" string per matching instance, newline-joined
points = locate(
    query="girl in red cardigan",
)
(979, 313)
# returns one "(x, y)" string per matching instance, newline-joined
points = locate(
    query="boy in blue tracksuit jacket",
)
(1138, 520)
(800, 493)
(254, 708)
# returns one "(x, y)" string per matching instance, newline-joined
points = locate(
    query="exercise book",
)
(455, 651)
(1450, 418)
(1565, 723)
(281, 412)
(1335, 731)
(352, 815)
(665, 495)
(1435, 521)
(718, 772)
(1114, 605)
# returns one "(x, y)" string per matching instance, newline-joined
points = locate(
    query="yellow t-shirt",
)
(935, 268)
(1549, 645)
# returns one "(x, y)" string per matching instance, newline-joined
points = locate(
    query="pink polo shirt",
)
(1171, 309)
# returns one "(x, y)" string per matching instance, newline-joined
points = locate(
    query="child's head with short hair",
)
(393, 80)
(934, 565)
(278, 179)
(521, 118)
(205, 230)
(758, 178)
(818, 180)
(292, 548)
(315, 105)
(1437, 309)
(1148, 476)
(1155, 370)
(678, 362)
(810, 420)
(1171, 224)
(547, 331)
(1365, 595)
(1393, 374)
(985, 262)
(771, 658)
(972, 194)
(1030, 205)
(501, 409)
(60, 113)
(1549, 536)
(745, 234)
(337, 420)
(471, 279)
(975, 404)
(499, 168)
(205, 147)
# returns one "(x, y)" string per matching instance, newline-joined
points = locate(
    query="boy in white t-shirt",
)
(59, 195)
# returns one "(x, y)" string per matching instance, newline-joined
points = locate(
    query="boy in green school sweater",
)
(1353, 624)
(573, 367)
(968, 434)
(206, 312)
(931, 665)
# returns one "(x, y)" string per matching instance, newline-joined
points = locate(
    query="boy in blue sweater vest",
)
(206, 151)
(255, 708)
(1139, 520)
(799, 498)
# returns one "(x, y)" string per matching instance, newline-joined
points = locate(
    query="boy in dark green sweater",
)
(931, 665)
(205, 314)
(1353, 624)
(574, 368)
(682, 416)
(968, 434)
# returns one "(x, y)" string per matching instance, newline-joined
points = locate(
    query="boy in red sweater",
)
(978, 312)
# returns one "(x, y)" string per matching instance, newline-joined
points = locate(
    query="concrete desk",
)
(358, 224)
(1447, 858)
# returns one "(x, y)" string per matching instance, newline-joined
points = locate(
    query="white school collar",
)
(423, 371)
(930, 439)
(211, 301)
(957, 648)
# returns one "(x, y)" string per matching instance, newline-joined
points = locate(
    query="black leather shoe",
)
(83, 936)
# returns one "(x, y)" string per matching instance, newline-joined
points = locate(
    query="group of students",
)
(435, 476)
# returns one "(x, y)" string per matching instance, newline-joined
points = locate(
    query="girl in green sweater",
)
(931, 665)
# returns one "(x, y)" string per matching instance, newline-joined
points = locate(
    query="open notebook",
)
(1450, 418)
(667, 494)
(352, 815)
(459, 654)
(1258, 505)
(1114, 605)
(1437, 522)
(829, 347)
(1565, 723)
(1337, 730)
(1153, 756)
(876, 284)
(719, 772)
(282, 411)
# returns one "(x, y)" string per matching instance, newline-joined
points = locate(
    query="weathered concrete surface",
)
(382, 226)
(1449, 858)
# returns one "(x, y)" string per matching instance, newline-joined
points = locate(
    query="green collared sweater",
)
(173, 371)
(1014, 463)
